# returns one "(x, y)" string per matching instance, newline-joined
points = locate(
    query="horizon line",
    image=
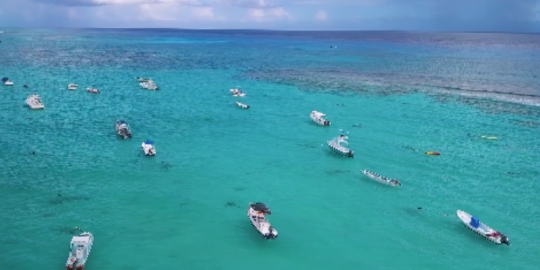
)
(277, 30)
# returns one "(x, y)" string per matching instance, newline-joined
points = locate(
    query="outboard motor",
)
(326, 122)
(350, 154)
(505, 240)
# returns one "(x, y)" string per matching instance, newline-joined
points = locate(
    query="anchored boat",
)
(319, 118)
(72, 86)
(242, 105)
(149, 85)
(34, 102)
(122, 128)
(7, 82)
(257, 215)
(340, 145)
(237, 92)
(149, 148)
(381, 179)
(474, 224)
(80, 248)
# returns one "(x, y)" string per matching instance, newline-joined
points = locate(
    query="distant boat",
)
(149, 148)
(318, 117)
(149, 84)
(122, 128)
(93, 90)
(7, 82)
(242, 105)
(381, 179)
(340, 145)
(237, 92)
(72, 86)
(34, 102)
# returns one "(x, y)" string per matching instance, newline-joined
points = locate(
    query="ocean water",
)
(398, 94)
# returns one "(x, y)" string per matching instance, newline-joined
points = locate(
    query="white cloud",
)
(204, 12)
(321, 16)
(144, 2)
(259, 14)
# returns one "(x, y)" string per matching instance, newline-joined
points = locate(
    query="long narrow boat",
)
(474, 224)
(382, 179)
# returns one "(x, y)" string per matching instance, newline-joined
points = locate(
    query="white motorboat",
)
(7, 82)
(80, 248)
(92, 90)
(257, 215)
(149, 84)
(149, 148)
(340, 145)
(122, 128)
(34, 102)
(318, 117)
(72, 86)
(140, 79)
(237, 92)
(381, 179)
(474, 224)
(242, 105)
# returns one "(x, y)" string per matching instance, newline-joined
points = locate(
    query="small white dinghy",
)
(257, 215)
(381, 179)
(92, 90)
(34, 102)
(242, 105)
(149, 148)
(318, 117)
(149, 85)
(80, 248)
(340, 145)
(72, 86)
(474, 224)
(7, 82)
(237, 92)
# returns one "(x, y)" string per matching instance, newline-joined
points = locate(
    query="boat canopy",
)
(121, 122)
(5, 79)
(261, 207)
(148, 142)
(475, 222)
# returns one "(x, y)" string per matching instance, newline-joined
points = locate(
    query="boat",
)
(149, 84)
(93, 90)
(80, 248)
(488, 137)
(318, 117)
(149, 148)
(257, 215)
(140, 79)
(34, 102)
(474, 224)
(72, 86)
(340, 145)
(122, 128)
(242, 105)
(7, 82)
(237, 92)
(381, 179)
(432, 153)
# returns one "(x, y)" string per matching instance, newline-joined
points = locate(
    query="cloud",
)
(117, 2)
(321, 16)
(259, 14)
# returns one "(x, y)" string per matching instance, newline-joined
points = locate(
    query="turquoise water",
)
(186, 207)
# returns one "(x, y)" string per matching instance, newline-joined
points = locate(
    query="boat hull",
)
(148, 149)
(379, 179)
(79, 262)
(265, 229)
(482, 230)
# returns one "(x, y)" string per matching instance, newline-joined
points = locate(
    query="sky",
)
(413, 15)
